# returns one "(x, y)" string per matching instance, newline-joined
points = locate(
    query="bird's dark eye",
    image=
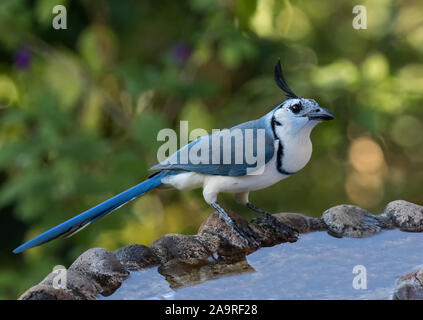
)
(296, 108)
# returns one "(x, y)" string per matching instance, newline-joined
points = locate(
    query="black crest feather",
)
(280, 81)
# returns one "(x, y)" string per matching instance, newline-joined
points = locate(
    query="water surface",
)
(317, 266)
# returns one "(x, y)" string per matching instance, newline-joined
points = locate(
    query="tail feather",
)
(77, 223)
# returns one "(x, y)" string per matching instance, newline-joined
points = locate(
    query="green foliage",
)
(80, 110)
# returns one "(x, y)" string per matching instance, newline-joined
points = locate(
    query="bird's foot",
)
(289, 233)
(247, 236)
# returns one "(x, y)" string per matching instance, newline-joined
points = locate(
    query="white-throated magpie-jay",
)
(286, 148)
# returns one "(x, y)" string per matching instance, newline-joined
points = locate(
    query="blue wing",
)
(212, 154)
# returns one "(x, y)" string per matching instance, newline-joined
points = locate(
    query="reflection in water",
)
(187, 273)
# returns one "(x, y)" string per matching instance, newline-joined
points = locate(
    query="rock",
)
(410, 286)
(211, 241)
(232, 243)
(180, 246)
(301, 223)
(405, 215)
(190, 272)
(102, 267)
(270, 233)
(43, 292)
(75, 283)
(350, 221)
(135, 257)
(385, 221)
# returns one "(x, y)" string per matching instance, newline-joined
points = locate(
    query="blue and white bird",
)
(287, 149)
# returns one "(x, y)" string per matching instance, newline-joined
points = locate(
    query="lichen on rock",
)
(300, 222)
(180, 246)
(406, 215)
(350, 221)
(136, 256)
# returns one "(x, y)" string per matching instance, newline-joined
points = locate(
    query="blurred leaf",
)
(145, 129)
(8, 90)
(244, 10)
(63, 76)
(340, 74)
(197, 116)
(98, 47)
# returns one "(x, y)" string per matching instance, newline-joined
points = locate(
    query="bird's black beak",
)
(320, 114)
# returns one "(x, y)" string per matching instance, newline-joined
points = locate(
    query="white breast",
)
(296, 154)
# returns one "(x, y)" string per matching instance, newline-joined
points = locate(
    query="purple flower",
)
(22, 58)
(180, 52)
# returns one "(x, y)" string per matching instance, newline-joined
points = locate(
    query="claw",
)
(290, 233)
(247, 237)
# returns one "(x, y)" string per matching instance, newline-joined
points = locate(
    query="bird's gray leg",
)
(270, 220)
(281, 227)
(263, 212)
(247, 236)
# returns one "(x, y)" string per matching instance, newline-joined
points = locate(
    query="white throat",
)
(297, 147)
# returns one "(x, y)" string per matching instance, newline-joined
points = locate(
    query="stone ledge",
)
(181, 258)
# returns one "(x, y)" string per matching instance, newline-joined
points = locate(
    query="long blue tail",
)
(70, 227)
